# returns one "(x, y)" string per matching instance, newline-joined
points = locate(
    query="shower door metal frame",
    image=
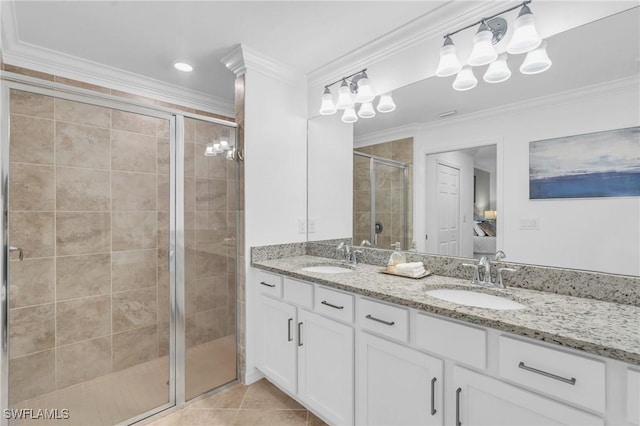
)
(373, 160)
(177, 346)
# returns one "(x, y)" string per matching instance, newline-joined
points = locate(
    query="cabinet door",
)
(277, 324)
(397, 385)
(325, 367)
(481, 400)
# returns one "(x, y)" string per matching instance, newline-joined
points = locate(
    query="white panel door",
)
(397, 385)
(448, 210)
(484, 401)
(325, 367)
(277, 342)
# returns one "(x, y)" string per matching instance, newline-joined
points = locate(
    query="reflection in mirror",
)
(577, 95)
(461, 202)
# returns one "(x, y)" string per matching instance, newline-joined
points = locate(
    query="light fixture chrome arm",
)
(483, 20)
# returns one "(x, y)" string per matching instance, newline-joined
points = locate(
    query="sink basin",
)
(328, 269)
(479, 300)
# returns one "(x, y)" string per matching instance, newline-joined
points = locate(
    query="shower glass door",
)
(380, 200)
(89, 276)
(210, 256)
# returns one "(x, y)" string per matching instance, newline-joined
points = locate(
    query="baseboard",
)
(253, 376)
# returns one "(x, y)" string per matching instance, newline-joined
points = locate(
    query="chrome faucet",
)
(349, 254)
(482, 274)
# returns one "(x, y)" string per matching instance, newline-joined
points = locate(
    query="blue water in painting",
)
(608, 184)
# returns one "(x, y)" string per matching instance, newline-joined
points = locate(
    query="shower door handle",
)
(19, 250)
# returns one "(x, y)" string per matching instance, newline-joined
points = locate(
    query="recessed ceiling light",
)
(183, 66)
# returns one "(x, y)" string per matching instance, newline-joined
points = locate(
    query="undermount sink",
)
(328, 269)
(479, 300)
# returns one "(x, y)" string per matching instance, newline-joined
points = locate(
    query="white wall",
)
(600, 234)
(464, 163)
(275, 174)
(330, 178)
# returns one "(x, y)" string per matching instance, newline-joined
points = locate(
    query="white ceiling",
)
(604, 50)
(145, 37)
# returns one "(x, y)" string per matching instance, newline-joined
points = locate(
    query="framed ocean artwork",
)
(602, 164)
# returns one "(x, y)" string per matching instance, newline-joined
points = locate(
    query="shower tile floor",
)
(258, 404)
(113, 398)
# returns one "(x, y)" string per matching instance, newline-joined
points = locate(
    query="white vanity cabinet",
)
(397, 385)
(325, 366)
(309, 355)
(278, 350)
(483, 400)
(353, 358)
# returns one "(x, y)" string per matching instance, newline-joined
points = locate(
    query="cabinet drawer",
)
(298, 292)
(391, 321)
(334, 304)
(563, 375)
(270, 284)
(459, 342)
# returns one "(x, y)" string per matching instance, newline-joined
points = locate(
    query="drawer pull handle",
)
(324, 302)
(433, 396)
(379, 320)
(571, 381)
(267, 284)
(299, 334)
(289, 338)
(458, 423)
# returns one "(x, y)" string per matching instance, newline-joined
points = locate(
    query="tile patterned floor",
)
(258, 404)
(116, 397)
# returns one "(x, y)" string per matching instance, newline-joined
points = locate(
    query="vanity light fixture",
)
(221, 147)
(536, 61)
(366, 110)
(355, 89)
(386, 104)
(498, 70)
(490, 31)
(449, 63)
(465, 80)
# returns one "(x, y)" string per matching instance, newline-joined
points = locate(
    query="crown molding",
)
(435, 23)
(607, 88)
(243, 59)
(620, 86)
(388, 135)
(26, 55)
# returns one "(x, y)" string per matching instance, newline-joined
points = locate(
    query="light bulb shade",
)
(449, 63)
(345, 98)
(327, 107)
(483, 52)
(349, 115)
(498, 70)
(366, 110)
(536, 61)
(465, 80)
(386, 104)
(365, 92)
(525, 36)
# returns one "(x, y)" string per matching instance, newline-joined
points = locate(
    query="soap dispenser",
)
(396, 258)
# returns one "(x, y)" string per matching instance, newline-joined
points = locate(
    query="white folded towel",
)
(413, 269)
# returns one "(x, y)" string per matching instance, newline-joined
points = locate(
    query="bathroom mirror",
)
(591, 87)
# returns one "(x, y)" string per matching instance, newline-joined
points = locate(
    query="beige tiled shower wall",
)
(388, 186)
(89, 206)
(210, 236)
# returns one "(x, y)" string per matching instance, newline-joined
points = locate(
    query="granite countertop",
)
(607, 329)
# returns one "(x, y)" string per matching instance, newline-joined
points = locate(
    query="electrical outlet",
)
(302, 226)
(530, 224)
(311, 226)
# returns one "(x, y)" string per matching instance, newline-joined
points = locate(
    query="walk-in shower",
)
(380, 200)
(119, 239)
